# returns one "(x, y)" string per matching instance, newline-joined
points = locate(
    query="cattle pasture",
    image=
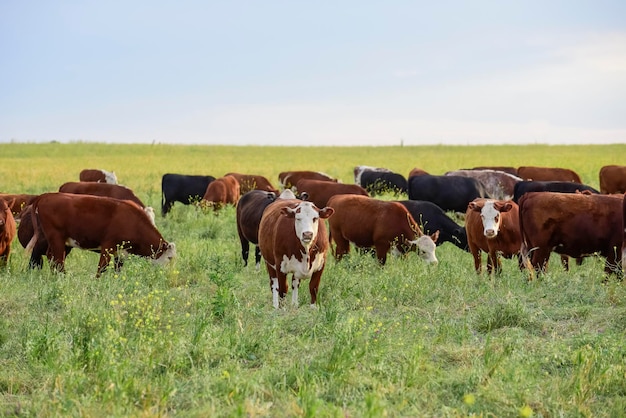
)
(200, 337)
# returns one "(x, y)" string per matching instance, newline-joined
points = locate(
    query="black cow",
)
(450, 193)
(432, 218)
(250, 209)
(377, 182)
(549, 186)
(182, 188)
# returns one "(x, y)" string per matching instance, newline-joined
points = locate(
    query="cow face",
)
(306, 220)
(168, 253)
(490, 214)
(425, 247)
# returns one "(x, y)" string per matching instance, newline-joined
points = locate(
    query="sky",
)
(316, 73)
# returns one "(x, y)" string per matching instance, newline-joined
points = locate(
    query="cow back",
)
(320, 191)
(115, 191)
(450, 193)
(548, 174)
(612, 179)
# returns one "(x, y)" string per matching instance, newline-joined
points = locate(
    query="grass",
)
(200, 338)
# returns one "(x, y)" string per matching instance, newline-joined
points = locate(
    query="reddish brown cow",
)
(17, 202)
(7, 232)
(114, 227)
(289, 179)
(222, 191)
(572, 224)
(98, 176)
(624, 239)
(612, 179)
(417, 172)
(547, 174)
(293, 240)
(492, 226)
(380, 224)
(319, 191)
(249, 182)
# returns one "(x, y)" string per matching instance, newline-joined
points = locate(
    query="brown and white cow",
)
(498, 184)
(319, 191)
(293, 240)
(289, 179)
(378, 224)
(7, 232)
(547, 174)
(111, 226)
(249, 182)
(222, 191)
(17, 202)
(492, 226)
(612, 179)
(572, 224)
(98, 176)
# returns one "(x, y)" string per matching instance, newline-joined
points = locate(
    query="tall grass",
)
(200, 337)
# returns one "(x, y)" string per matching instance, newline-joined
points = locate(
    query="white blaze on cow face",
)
(491, 217)
(426, 248)
(306, 220)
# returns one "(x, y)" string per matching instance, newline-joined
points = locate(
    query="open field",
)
(200, 338)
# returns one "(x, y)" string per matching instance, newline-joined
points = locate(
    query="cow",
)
(222, 191)
(432, 218)
(624, 240)
(250, 209)
(450, 193)
(612, 179)
(249, 182)
(526, 186)
(379, 224)
(111, 226)
(319, 191)
(293, 240)
(17, 202)
(7, 232)
(378, 181)
(547, 174)
(493, 227)
(571, 224)
(289, 179)
(183, 188)
(417, 172)
(498, 184)
(98, 176)
(505, 168)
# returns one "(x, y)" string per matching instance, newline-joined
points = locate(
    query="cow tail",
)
(34, 216)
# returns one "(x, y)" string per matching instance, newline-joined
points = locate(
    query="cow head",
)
(306, 220)
(166, 253)
(490, 215)
(425, 247)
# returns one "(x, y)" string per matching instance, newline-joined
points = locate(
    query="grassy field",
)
(200, 337)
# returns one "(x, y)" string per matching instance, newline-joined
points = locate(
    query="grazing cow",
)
(289, 179)
(186, 189)
(222, 191)
(7, 232)
(98, 176)
(250, 209)
(293, 240)
(526, 186)
(377, 181)
(249, 182)
(17, 202)
(548, 174)
(319, 191)
(113, 227)
(380, 224)
(450, 193)
(417, 172)
(432, 218)
(498, 184)
(505, 168)
(572, 224)
(612, 179)
(493, 227)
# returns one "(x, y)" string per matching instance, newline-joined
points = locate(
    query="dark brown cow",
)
(249, 182)
(547, 174)
(380, 224)
(293, 240)
(222, 191)
(498, 184)
(572, 224)
(319, 191)
(612, 179)
(98, 176)
(114, 227)
(17, 202)
(492, 226)
(289, 179)
(7, 232)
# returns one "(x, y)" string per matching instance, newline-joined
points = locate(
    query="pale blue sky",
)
(313, 73)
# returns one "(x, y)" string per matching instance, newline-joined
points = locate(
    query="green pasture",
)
(200, 338)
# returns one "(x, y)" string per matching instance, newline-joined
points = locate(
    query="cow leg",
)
(565, 262)
(477, 257)
(245, 250)
(342, 248)
(295, 285)
(105, 259)
(540, 258)
(56, 253)
(496, 265)
(314, 284)
(381, 253)
(257, 257)
(278, 284)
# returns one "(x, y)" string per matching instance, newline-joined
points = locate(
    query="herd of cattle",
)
(523, 212)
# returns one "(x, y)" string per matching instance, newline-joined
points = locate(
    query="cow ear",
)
(304, 196)
(288, 212)
(326, 212)
(474, 206)
(506, 207)
(435, 236)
